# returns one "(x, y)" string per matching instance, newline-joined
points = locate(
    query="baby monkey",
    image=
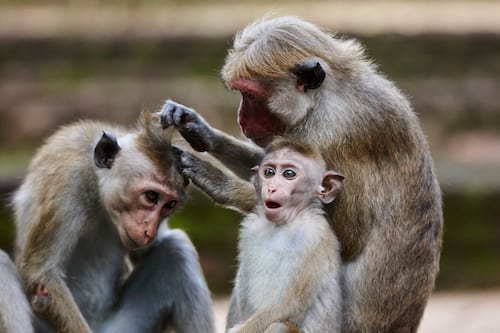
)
(288, 278)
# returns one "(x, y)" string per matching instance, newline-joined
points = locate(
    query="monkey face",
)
(256, 121)
(288, 182)
(136, 194)
(148, 203)
(276, 66)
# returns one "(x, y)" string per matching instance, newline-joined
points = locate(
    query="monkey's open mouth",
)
(272, 205)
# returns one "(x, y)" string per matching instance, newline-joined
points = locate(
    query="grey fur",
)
(67, 240)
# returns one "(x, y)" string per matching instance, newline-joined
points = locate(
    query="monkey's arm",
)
(225, 190)
(237, 155)
(52, 299)
(40, 267)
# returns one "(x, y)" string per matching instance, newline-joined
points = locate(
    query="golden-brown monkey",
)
(93, 194)
(301, 82)
(289, 258)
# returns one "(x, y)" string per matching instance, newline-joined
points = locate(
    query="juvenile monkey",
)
(304, 84)
(289, 260)
(95, 194)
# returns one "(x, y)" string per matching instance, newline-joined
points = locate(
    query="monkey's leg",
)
(401, 306)
(166, 288)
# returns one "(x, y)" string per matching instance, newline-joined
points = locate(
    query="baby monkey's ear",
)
(331, 184)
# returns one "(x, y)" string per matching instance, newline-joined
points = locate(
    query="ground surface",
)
(457, 312)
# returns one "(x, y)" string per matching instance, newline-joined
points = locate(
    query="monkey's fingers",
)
(166, 113)
(187, 161)
(178, 152)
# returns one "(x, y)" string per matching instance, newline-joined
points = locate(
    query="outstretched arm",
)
(237, 155)
(224, 189)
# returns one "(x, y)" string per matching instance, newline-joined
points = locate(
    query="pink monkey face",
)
(287, 183)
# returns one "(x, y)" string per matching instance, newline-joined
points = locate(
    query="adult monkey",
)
(302, 83)
(95, 195)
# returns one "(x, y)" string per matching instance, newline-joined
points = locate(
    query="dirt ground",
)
(457, 312)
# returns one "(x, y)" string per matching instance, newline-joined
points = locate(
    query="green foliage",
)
(6, 229)
(214, 232)
(471, 247)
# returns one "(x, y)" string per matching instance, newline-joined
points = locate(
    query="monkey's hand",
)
(201, 172)
(189, 123)
(224, 189)
(40, 299)
(188, 164)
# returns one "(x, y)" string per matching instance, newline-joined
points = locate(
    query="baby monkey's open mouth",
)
(272, 204)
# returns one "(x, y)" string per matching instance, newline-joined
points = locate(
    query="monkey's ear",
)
(105, 150)
(330, 186)
(310, 75)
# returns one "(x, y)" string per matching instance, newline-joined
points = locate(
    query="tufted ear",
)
(310, 75)
(105, 150)
(331, 184)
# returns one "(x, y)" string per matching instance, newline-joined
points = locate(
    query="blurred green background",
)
(65, 60)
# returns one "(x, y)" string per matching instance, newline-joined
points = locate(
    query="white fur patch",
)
(272, 255)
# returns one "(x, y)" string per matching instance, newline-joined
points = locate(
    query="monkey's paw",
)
(189, 164)
(189, 124)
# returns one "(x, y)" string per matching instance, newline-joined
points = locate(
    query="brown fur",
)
(60, 202)
(388, 217)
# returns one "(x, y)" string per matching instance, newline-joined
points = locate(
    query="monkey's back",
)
(53, 175)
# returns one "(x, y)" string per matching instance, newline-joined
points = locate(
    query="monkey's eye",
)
(269, 172)
(171, 204)
(289, 174)
(151, 196)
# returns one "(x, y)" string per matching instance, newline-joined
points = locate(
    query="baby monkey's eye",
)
(289, 174)
(269, 172)
(151, 196)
